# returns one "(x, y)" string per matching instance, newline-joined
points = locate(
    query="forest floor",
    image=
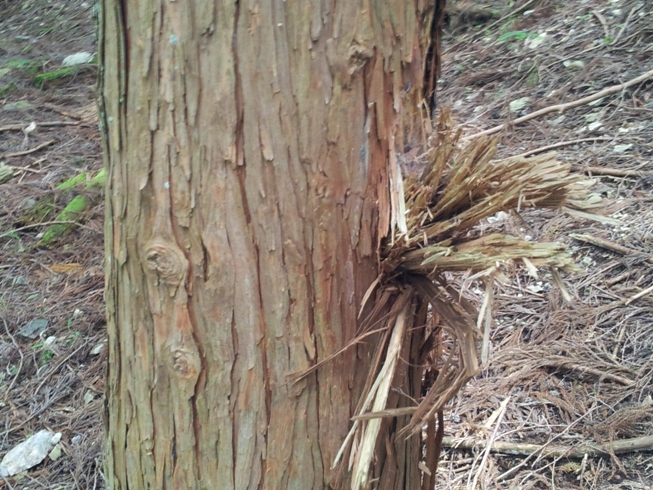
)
(568, 374)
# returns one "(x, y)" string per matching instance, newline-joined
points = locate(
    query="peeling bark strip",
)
(247, 147)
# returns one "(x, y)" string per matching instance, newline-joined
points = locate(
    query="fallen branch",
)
(525, 449)
(615, 172)
(639, 295)
(607, 244)
(620, 277)
(561, 363)
(625, 25)
(569, 105)
(27, 152)
(543, 149)
(20, 127)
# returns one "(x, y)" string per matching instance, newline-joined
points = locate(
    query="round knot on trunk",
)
(166, 261)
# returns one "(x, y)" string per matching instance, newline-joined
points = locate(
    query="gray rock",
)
(77, 59)
(29, 453)
(33, 329)
(20, 105)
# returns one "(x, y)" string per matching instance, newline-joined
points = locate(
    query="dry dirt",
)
(573, 373)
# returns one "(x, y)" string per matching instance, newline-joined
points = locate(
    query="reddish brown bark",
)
(247, 148)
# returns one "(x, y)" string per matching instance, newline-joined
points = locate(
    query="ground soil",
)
(575, 372)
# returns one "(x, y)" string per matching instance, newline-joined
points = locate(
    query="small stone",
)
(75, 440)
(77, 59)
(519, 104)
(28, 203)
(622, 148)
(535, 42)
(95, 351)
(56, 452)
(574, 65)
(49, 342)
(89, 396)
(596, 102)
(557, 121)
(594, 126)
(33, 329)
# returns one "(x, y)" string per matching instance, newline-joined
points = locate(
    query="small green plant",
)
(31, 67)
(45, 354)
(72, 338)
(40, 80)
(11, 234)
(516, 35)
(10, 87)
(45, 357)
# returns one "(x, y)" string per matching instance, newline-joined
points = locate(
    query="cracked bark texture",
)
(248, 146)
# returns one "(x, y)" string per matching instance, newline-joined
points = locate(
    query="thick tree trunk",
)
(250, 148)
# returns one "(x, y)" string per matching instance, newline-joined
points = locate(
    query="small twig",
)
(525, 449)
(572, 366)
(542, 149)
(60, 111)
(36, 413)
(56, 368)
(620, 277)
(6, 482)
(504, 404)
(477, 35)
(607, 244)
(45, 223)
(603, 22)
(625, 26)
(615, 172)
(20, 127)
(24, 169)
(27, 152)
(569, 105)
(516, 11)
(639, 295)
(20, 364)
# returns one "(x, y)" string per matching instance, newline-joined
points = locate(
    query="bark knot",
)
(166, 261)
(185, 362)
(357, 57)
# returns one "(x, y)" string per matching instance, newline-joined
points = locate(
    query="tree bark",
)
(250, 149)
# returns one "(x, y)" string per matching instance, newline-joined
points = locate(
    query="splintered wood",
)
(421, 265)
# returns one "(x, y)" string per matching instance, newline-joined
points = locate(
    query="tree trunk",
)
(250, 153)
